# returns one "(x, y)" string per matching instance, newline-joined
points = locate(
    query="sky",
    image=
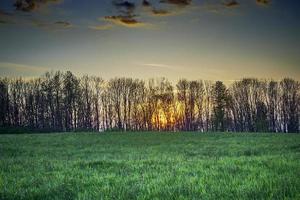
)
(194, 39)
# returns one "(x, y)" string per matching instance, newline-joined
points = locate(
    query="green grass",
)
(150, 166)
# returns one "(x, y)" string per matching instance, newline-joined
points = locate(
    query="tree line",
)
(60, 101)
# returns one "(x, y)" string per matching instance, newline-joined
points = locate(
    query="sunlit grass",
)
(150, 166)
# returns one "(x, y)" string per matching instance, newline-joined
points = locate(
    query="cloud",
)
(124, 7)
(6, 18)
(125, 12)
(156, 11)
(231, 4)
(101, 27)
(124, 4)
(13, 19)
(27, 20)
(161, 12)
(18, 18)
(177, 2)
(126, 15)
(63, 24)
(156, 65)
(170, 12)
(31, 5)
(146, 3)
(263, 2)
(3, 21)
(176, 7)
(53, 25)
(127, 21)
(14, 69)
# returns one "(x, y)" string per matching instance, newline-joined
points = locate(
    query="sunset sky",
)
(194, 39)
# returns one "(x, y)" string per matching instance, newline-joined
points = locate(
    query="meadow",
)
(150, 166)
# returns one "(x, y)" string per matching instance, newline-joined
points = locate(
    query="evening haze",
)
(207, 39)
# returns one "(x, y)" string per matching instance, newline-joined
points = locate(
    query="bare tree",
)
(60, 101)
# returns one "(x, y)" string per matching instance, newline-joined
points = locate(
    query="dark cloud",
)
(6, 14)
(263, 2)
(126, 7)
(3, 21)
(177, 2)
(31, 5)
(126, 15)
(125, 12)
(17, 19)
(231, 4)
(160, 12)
(146, 3)
(63, 24)
(52, 26)
(123, 19)
(124, 4)
(127, 21)
(58, 25)
(157, 11)
(6, 18)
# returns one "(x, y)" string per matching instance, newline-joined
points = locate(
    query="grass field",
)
(150, 166)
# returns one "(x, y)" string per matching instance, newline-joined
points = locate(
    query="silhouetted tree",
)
(60, 101)
(290, 105)
(220, 102)
(4, 103)
(70, 91)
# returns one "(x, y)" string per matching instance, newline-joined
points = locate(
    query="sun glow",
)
(159, 119)
(164, 118)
